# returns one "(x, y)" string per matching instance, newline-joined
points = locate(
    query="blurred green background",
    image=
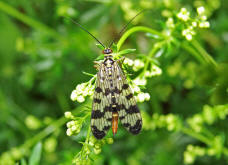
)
(43, 55)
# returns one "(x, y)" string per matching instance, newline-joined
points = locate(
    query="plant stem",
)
(204, 54)
(48, 130)
(196, 135)
(192, 51)
(28, 21)
(136, 29)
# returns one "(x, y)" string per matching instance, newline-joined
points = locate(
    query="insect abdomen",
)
(115, 117)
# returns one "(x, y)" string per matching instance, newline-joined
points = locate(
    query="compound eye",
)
(107, 51)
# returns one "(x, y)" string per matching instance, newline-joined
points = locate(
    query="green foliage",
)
(174, 56)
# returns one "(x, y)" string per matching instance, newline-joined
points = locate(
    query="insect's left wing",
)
(101, 116)
(129, 114)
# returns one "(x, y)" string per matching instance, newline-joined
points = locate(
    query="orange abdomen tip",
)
(114, 122)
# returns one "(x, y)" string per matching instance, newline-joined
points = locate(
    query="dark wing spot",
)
(98, 89)
(107, 91)
(106, 128)
(113, 100)
(116, 90)
(129, 96)
(121, 117)
(97, 100)
(136, 128)
(97, 114)
(108, 109)
(125, 86)
(126, 125)
(117, 107)
(132, 109)
(97, 133)
(109, 119)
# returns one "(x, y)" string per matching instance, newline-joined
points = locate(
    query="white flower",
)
(73, 128)
(135, 88)
(148, 74)
(188, 33)
(188, 37)
(128, 61)
(204, 24)
(73, 95)
(194, 24)
(183, 14)
(147, 96)
(69, 132)
(140, 81)
(138, 64)
(80, 88)
(200, 10)
(68, 115)
(80, 99)
(203, 17)
(170, 22)
(156, 70)
(140, 97)
(68, 124)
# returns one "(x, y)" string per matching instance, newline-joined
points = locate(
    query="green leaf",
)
(101, 57)
(36, 154)
(100, 46)
(114, 47)
(154, 36)
(126, 51)
(23, 162)
(159, 53)
(88, 74)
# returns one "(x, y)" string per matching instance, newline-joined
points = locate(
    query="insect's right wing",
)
(129, 114)
(101, 117)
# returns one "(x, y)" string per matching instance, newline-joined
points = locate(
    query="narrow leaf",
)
(23, 162)
(154, 36)
(36, 154)
(100, 46)
(126, 51)
(101, 57)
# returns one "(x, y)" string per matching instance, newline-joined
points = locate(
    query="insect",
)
(113, 98)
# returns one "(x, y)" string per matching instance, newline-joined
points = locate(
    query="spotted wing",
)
(101, 116)
(128, 111)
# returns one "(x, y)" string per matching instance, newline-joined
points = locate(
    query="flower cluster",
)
(191, 152)
(65, 9)
(91, 144)
(136, 64)
(73, 126)
(189, 23)
(171, 122)
(209, 116)
(183, 14)
(141, 80)
(215, 149)
(81, 91)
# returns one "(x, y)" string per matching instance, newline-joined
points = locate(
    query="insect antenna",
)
(86, 31)
(125, 26)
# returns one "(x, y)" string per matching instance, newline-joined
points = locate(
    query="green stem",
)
(48, 130)
(136, 29)
(192, 51)
(88, 135)
(225, 151)
(201, 138)
(203, 53)
(27, 20)
(196, 135)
